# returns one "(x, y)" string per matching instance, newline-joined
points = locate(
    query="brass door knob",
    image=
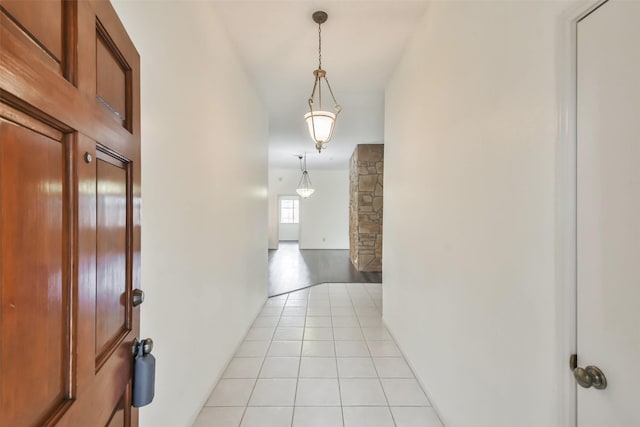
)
(591, 376)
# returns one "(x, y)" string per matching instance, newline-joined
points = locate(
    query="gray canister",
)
(144, 374)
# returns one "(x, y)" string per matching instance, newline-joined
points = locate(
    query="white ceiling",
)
(362, 42)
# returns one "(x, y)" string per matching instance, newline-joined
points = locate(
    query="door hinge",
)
(573, 361)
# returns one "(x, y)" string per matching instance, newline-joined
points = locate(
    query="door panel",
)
(609, 211)
(70, 214)
(112, 284)
(45, 28)
(43, 20)
(35, 352)
(112, 76)
(118, 418)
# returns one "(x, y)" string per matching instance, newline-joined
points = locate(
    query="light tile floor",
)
(319, 357)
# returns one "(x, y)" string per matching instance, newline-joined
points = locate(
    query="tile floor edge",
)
(323, 283)
(229, 359)
(413, 371)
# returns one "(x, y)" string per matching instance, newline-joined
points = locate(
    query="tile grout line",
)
(264, 359)
(295, 394)
(335, 351)
(376, 369)
(353, 307)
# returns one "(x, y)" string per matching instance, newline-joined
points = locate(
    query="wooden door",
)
(69, 214)
(608, 208)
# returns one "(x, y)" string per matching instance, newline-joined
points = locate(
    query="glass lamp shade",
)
(305, 192)
(304, 186)
(320, 124)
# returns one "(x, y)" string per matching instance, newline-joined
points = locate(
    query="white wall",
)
(470, 290)
(204, 178)
(324, 217)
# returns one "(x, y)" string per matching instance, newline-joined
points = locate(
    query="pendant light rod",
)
(321, 123)
(320, 17)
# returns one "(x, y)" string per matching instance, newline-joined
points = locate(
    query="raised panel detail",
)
(119, 417)
(42, 20)
(34, 277)
(113, 76)
(112, 284)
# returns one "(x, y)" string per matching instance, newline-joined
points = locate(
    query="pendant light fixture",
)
(321, 122)
(304, 186)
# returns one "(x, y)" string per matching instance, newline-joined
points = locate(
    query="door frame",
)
(566, 203)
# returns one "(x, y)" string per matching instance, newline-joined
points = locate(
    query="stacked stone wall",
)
(366, 206)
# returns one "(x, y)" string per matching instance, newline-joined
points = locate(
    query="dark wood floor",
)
(291, 268)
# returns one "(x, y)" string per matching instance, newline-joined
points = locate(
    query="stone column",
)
(365, 207)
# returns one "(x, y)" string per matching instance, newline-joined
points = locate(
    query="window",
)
(288, 211)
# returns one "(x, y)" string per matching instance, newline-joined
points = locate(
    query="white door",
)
(288, 218)
(608, 212)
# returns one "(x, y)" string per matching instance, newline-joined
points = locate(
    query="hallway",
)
(319, 357)
(475, 103)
